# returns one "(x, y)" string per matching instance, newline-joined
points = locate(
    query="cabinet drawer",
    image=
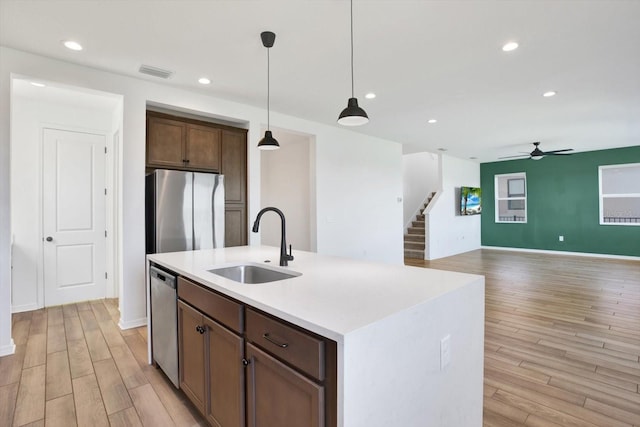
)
(220, 308)
(289, 344)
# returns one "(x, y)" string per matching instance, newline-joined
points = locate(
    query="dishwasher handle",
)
(162, 276)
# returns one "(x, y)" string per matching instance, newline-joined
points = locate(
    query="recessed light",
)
(370, 95)
(204, 81)
(549, 94)
(432, 121)
(442, 149)
(473, 158)
(508, 47)
(37, 84)
(70, 44)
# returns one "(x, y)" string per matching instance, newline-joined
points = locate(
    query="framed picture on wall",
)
(516, 188)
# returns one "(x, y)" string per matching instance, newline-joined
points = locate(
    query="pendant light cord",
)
(268, 92)
(352, 84)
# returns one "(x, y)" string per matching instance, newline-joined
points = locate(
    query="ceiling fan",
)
(537, 153)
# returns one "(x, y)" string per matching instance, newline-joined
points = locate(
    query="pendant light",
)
(268, 142)
(353, 115)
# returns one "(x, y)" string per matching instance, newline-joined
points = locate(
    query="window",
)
(620, 194)
(511, 197)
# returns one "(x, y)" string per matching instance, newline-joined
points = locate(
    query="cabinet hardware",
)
(200, 329)
(267, 337)
(245, 362)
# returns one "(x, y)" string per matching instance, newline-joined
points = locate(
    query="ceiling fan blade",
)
(513, 157)
(558, 154)
(558, 151)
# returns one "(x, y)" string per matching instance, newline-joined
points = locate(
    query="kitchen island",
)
(409, 341)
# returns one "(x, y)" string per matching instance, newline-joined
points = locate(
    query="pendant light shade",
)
(268, 142)
(353, 115)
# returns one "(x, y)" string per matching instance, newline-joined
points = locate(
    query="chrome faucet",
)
(284, 257)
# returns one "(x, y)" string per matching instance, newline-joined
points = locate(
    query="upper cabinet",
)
(176, 143)
(165, 142)
(193, 145)
(203, 147)
(234, 165)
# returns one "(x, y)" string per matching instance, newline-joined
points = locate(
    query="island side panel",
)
(391, 373)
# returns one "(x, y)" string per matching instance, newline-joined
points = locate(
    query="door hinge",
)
(105, 191)
(105, 233)
(105, 150)
(106, 275)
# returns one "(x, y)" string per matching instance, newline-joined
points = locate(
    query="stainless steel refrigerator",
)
(184, 211)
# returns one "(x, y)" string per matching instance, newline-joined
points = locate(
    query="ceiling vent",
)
(155, 71)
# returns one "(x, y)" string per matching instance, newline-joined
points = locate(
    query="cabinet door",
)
(203, 148)
(235, 225)
(234, 165)
(165, 142)
(279, 396)
(191, 354)
(226, 376)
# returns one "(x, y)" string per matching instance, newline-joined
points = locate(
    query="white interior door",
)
(73, 216)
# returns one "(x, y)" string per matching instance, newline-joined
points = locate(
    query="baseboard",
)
(8, 349)
(132, 323)
(544, 251)
(24, 307)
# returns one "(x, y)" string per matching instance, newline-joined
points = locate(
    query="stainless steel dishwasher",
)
(164, 322)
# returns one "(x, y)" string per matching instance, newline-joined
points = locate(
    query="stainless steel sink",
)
(254, 273)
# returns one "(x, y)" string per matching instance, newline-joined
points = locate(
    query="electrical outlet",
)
(445, 352)
(561, 238)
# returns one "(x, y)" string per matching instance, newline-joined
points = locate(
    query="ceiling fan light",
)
(268, 142)
(353, 115)
(536, 157)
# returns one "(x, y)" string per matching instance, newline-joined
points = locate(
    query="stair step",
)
(414, 245)
(420, 218)
(416, 230)
(414, 238)
(417, 224)
(414, 254)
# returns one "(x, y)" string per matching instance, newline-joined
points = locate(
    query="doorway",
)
(287, 181)
(59, 173)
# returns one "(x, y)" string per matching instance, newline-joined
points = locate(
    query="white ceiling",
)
(424, 59)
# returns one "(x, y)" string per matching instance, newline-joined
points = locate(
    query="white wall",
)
(359, 187)
(286, 185)
(420, 177)
(6, 342)
(448, 232)
(30, 116)
(359, 178)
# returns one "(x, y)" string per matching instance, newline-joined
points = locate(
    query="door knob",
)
(49, 239)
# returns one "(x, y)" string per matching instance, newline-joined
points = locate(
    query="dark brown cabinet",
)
(240, 366)
(279, 396)
(173, 143)
(212, 373)
(202, 148)
(165, 142)
(235, 225)
(191, 354)
(185, 144)
(234, 169)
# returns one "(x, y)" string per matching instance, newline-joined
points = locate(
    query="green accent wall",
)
(562, 199)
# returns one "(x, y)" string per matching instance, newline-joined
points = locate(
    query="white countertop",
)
(333, 296)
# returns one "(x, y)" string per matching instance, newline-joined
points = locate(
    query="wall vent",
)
(155, 71)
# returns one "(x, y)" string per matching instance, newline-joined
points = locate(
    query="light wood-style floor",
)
(562, 338)
(74, 366)
(562, 348)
